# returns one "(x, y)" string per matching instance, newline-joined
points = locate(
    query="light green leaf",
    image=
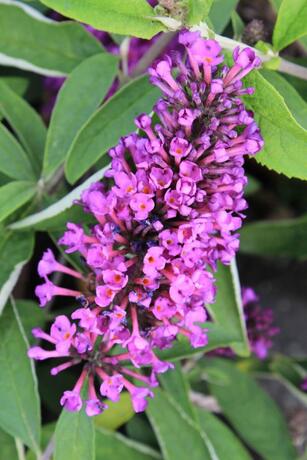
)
(78, 98)
(74, 437)
(17, 84)
(276, 238)
(220, 13)
(291, 23)
(117, 16)
(14, 161)
(198, 11)
(13, 195)
(113, 120)
(26, 123)
(39, 44)
(285, 140)
(117, 414)
(227, 310)
(8, 447)
(226, 444)
(15, 250)
(47, 432)
(114, 446)
(295, 103)
(251, 411)
(59, 207)
(19, 401)
(175, 431)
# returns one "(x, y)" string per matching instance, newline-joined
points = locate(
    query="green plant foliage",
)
(30, 316)
(198, 10)
(117, 414)
(8, 447)
(13, 195)
(291, 23)
(291, 374)
(220, 13)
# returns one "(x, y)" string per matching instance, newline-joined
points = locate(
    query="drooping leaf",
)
(285, 140)
(226, 444)
(111, 446)
(116, 16)
(78, 98)
(39, 44)
(26, 123)
(179, 437)
(57, 208)
(14, 161)
(220, 13)
(113, 120)
(227, 310)
(74, 436)
(198, 11)
(15, 250)
(13, 195)
(295, 103)
(19, 401)
(276, 238)
(251, 411)
(117, 414)
(291, 23)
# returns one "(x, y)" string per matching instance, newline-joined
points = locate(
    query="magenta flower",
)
(167, 213)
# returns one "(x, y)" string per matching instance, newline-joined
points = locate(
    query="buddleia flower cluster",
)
(167, 211)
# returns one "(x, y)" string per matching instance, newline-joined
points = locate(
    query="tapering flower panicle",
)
(167, 212)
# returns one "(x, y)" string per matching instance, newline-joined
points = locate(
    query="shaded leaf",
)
(30, 316)
(220, 13)
(291, 374)
(78, 98)
(117, 414)
(8, 447)
(19, 402)
(291, 23)
(198, 11)
(13, 195)
(113, 120)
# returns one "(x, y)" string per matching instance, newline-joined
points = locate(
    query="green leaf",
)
(220, 13)
(251, 411)
(57, 208)
(198, 11)
(227, 310)
(177, 387)
(295, 103)
(15, 250)
(175, 431)
(13, 195)
(39, 44)
(18, 84)
(14, 161)
(114, 446)
(285, 140)
(237, 25)
(139, 429)
(226, 444)
(74, 437)
(78, 98)
(30, 316)
(47, 432)
(19, 401)
(26, 123)
(113, 120)
(117, 414)
(291, 23)
(8, 447)
(276, 238)
(134, 17)
(291, 374)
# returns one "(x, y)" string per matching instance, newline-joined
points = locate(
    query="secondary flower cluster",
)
(166, 213)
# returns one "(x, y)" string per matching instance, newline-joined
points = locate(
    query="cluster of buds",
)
(166, 213)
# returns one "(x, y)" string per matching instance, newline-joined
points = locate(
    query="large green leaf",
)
(118, 413)
(14, 161)
(78, 98)
(133, 17)
(227, 310)
(114, 446)
(226, 444)
(13, 195)
(15, 250)
(179, 437)
(295, 103)
(33, 42)
(113, 120)
(276, 238)
(291, 23)
(26, 123)
(251, 411)
(220, 13)
(30, 316)
(19, 401)
(285, 140)
(74, 437)
(198, 10)
(56, 209)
